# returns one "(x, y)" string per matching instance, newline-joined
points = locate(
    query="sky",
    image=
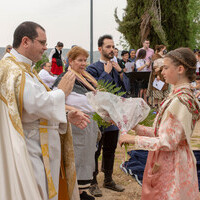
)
(67, 21)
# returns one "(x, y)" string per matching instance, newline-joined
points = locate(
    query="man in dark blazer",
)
(110, 71)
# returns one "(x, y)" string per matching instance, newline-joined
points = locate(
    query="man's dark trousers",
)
(108, 143)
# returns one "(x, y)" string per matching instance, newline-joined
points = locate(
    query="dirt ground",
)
(132, 188)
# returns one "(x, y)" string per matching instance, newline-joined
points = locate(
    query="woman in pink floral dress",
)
(170, 172)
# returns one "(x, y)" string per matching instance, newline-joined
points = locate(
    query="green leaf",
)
(115, 90)
(149, 120)
(121, 93)
(111, 87)
(107, 85)
(101, 123)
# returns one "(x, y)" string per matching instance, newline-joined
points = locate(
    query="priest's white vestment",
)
(37, 104)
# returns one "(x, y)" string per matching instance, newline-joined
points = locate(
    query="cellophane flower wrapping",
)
(126, 113)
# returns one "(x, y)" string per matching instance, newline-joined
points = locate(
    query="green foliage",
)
(179, 23)
(109, 87)
(149, 120)
(106, 87)
(194, 19)
(175, 23)
(43, 60)
(122, 42)
(101, 123)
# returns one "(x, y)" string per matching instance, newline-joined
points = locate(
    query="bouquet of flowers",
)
(126, 113)
(106, 87)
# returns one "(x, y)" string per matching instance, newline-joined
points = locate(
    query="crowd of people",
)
(50, 143)
(140, 61)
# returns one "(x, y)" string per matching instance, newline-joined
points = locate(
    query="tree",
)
(194, 18)
(43, 60)
(123, 43)
(166, 22)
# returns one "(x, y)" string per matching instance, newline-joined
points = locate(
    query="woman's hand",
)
(198, 86)
(78, 118)
(197, 95)
(112, 122)
(157, 69)
(135, 127)
(158, 78)
(148, 64)
(126, 138)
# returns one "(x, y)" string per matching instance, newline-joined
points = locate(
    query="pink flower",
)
(123, 99)
(119, 125)
(125, 120)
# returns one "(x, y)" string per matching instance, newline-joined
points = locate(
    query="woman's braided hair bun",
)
(186, 57)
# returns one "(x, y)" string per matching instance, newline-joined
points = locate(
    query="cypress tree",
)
(194, 19)
(166, 22)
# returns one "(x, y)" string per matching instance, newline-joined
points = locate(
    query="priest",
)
(32, 116)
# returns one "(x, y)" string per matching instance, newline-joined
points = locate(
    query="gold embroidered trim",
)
(21, 92)
(45, 156)
(11, 118)
(3, 99)
(67, 152)
(10, 77)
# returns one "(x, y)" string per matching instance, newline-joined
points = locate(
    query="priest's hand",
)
(126, 139)
(78, 118)
(67, 83)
